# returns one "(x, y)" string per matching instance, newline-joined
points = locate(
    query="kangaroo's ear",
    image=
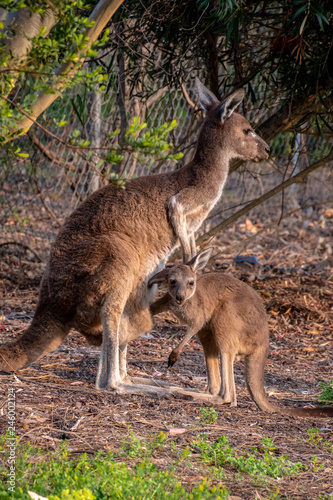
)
(206, 98)
(200, 260)
(228, 106)
(159, 277)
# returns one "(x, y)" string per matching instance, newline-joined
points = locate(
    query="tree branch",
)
(50, 155)
(101, 16)
(24, 25)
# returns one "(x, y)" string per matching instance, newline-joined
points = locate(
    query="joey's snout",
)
(180, 299)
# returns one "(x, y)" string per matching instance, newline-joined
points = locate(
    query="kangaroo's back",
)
(236, 311)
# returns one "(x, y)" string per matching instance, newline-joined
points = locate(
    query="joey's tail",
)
(254, 375)
(43, 335)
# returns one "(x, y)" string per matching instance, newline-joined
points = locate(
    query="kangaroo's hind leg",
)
(228, 389)
(211, 351)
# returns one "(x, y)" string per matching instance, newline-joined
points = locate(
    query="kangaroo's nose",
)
(267, 150)
(179, 298)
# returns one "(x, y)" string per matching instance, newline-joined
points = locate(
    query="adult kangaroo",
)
(230, 319)
(108, 248)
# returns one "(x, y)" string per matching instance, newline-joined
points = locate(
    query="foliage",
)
(145, 146)
(21, 82)
(284, 46)
(315, 437)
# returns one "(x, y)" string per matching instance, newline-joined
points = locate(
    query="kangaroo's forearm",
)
(177, 207)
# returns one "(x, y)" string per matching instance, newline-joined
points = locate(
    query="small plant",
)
(316, 467)
(326, 395)
(133, 447)
(208, 415)
(315, 438)
(220, 453)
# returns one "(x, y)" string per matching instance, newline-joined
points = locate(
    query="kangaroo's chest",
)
(189, 315)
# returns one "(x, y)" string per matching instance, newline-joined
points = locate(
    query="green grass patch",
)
(59, 477)
(264, 463)
(131, 472)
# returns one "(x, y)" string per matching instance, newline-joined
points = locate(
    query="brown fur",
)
(230, 319)
(96, 277)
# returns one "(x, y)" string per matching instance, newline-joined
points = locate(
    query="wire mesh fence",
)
(38, 192)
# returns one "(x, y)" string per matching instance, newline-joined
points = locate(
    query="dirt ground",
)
(56, 398)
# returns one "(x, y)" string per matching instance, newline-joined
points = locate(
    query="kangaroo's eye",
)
(172, 282)
(247, 131)
(191, 283)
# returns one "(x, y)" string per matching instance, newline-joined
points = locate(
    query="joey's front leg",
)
(160, 305)
(175, 352)
(178, 207)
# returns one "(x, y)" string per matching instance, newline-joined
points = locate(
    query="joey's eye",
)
(247, 131)
(172, 282)
(191, 283)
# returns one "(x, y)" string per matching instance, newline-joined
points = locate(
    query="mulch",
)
(56, 398)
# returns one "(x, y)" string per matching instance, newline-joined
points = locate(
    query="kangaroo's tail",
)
(43, 335)
(254, 374)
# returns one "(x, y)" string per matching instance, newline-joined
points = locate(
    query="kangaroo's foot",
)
(227, 399)
(171, 391)
(152, 381)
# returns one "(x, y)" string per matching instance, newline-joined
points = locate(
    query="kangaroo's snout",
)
(263, 151)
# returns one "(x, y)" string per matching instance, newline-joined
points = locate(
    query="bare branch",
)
(156, 96)
(50, 154)
(187, 97)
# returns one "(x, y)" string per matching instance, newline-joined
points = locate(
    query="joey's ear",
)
(228, 106)
(206, 98)
(159, 277)
(200, 260)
